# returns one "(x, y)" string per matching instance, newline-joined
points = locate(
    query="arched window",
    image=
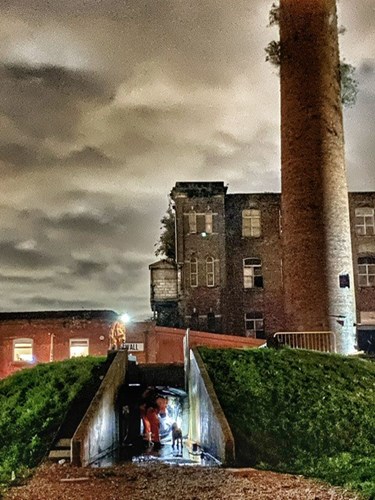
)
(193, 272)
(252, 273)
(210, 271)
(23, 350)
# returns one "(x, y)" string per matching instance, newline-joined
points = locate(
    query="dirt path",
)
(149, 481)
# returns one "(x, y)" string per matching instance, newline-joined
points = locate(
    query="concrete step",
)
(59, 454)
(63, 443)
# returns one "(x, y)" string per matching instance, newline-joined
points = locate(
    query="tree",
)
(166, 244)
(315, 211)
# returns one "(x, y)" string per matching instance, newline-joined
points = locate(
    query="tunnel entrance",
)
(134, 447)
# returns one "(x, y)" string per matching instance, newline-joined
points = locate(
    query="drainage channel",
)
(134, 448)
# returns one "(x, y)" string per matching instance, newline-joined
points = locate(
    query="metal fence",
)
(315, 341)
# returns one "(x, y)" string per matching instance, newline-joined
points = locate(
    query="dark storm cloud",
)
(15, 257)
(48, 101)
(105, 104)
(51, 303)
(87, 268)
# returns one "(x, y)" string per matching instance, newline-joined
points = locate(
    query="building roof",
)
(163, 264)
(199, 189)
(76, 314)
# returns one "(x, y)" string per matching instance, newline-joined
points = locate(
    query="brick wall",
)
(54, 334)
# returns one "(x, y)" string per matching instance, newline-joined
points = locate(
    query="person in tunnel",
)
(149, 408)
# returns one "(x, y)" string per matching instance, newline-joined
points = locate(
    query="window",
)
(252, 273)
(23, 350)
(251, 223)
(193, 271)
(254, 325)
(192, 222)
(208, 223)
(364, 221)
(79, 347)
(210, 271)
(366, 271)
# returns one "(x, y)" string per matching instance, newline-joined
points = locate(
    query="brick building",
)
(228, 268)
(29, 338)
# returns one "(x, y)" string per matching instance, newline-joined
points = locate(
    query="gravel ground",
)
(170, 482)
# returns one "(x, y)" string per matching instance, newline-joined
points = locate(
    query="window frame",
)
(193, 274)
(252, 273)
(251, 223)
(208, 222)
(257, 319)
(210, 274)
(23, 341)
(192, 219)
(364, 227)
(72, 340)
(366, 271)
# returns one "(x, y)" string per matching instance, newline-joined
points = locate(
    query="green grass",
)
(300, 412)
(33, 404)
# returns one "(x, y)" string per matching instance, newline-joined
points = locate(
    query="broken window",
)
(254, 325)
(252, 273)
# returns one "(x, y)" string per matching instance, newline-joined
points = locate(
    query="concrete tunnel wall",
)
(208, 425)
(98, 432)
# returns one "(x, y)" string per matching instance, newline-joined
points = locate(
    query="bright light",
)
(124, 317)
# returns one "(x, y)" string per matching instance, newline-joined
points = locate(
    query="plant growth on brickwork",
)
(348, 81)
(33, 404)
(300, 412)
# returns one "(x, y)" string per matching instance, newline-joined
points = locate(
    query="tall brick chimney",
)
(317, 254)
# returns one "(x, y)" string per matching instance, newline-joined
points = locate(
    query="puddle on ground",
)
(178, 411)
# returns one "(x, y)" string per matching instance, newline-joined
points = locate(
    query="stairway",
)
(61, 450)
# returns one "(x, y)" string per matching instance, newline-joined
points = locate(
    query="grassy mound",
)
(33, 404)
(300, 412)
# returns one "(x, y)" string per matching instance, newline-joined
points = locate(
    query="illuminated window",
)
(79, 347)
(210, 271)
(252, 273)
(193, 271)
(364, 221)
(254, 325)
(366, 271)
(23, 350)
(251, 223)
(192, 222)
(208, 223)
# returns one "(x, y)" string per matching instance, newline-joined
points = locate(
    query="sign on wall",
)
(135, 346)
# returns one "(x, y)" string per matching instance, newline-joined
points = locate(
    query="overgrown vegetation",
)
(348, 81)
(166, 244)
(300, 412)
(33, 404)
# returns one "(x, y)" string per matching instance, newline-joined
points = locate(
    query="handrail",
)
(324, 341)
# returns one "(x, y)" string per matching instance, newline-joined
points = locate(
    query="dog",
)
(176, 436)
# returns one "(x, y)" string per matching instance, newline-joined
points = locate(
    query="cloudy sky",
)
(105, 104)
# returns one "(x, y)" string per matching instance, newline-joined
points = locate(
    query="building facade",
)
(228, 268)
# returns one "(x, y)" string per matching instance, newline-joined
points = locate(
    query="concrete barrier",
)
(208, 426)
(98, 433)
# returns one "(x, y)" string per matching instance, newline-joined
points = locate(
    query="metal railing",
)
(315, 341)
